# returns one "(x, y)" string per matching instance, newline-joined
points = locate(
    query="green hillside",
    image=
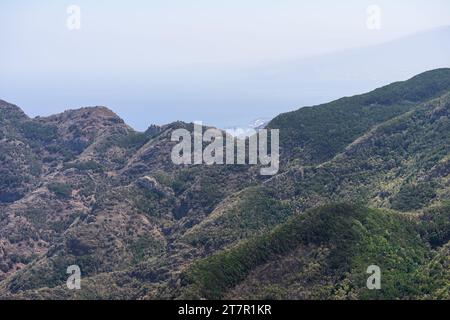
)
(312, 135)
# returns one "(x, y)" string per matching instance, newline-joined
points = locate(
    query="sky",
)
(159, 61)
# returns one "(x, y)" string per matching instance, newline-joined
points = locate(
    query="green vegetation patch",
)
(61, 190)
(89, 165)
(413, 197)
(358, 237)
(37, 131)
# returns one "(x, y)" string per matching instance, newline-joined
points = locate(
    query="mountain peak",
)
(8, 110)
(302, 133)
(88, 112)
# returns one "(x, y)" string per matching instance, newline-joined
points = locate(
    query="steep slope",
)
(107, 205)
(435, 276)
(323, 254)
(401, 164)
(56, 178)
(316, 134)
(109, 199)
(19, 167)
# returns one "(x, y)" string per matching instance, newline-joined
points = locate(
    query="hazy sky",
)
(169, 46)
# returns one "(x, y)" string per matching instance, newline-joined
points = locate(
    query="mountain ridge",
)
(304, 134)
(96, 193)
